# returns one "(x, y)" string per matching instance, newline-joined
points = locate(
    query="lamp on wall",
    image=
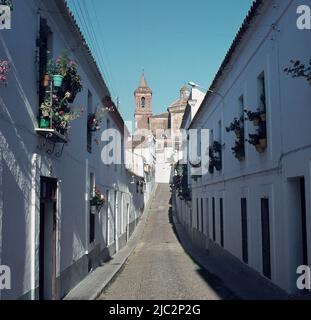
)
(195, 85)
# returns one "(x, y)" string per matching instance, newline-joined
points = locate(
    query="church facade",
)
(164, 128)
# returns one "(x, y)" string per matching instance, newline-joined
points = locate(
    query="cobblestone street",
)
(159, 268)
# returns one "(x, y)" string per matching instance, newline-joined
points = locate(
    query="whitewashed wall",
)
(272, 41)
(22, 164)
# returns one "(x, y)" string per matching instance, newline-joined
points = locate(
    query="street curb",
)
(97, 281)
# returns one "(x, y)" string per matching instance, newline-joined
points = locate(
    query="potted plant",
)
(72, 82)
(47, 77)
(298, 69)
(97, 201)
(237, 126)
(7, 3)
(93, 124)
(59, 69)
(63, 117)
(217, 164)
(215, 152)
(211, 167)
(254, 117)
(239, 150)
(4, 69)
(46, 112)
(260, 143)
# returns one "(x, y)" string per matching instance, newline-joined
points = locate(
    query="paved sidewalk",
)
(95, 283)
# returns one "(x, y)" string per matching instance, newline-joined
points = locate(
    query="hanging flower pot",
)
(240, 157)
(57, 80)
(72, 97)
(46, 80)
(259, 148)
(218, 165)
(256, 122)
(238, 133)
(263, 143)
(94, 209)
(263, 116)
(44, 123)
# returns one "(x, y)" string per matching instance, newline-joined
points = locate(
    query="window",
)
(211, 137)
(221, 213)
(143, 102)
(89, 111)
(45, 49)
(202, 216)
(214, 222)
(265, 228)
(207, 217)
(219, 132)
(241, 106)
(244, 229)
(198, 221)
(262, 92)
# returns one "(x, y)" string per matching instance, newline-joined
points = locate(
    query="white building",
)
(258, 207)
(48, 235)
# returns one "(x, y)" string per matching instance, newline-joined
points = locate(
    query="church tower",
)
(143, 112)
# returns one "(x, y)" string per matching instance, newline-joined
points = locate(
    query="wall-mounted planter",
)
(263, 117)
(263, 143)
(94, 210)
(218, 165)
(72, 97)
(259, 148)
(240, 157)
(57, 80)
(44, 123)
(299, 69)
(46, 80)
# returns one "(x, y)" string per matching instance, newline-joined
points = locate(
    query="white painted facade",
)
(22, 164)
(271, 41)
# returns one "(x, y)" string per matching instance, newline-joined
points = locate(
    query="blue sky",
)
(174, 41)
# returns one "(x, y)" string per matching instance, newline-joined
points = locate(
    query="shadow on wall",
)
(14, 252)
(212, 280)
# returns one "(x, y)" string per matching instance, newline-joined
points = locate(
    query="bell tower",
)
(143, 112)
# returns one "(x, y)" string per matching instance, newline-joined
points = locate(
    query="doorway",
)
(303, 212)
(47, 239)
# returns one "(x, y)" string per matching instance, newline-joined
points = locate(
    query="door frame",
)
(54, 239)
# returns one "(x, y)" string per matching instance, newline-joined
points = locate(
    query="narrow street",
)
(159, 268)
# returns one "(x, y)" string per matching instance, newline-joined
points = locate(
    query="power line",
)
(86, 23)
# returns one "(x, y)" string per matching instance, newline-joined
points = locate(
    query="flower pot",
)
(256, 122)
(238, 133)
(218, 165)
(44, 124)
(309, 80)
(72, 97)
(263, 143)
(57, 80)
(263, 117)
(46, 80)
(240, 157)
(45, 113)
(259, 148)
(93, 209)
